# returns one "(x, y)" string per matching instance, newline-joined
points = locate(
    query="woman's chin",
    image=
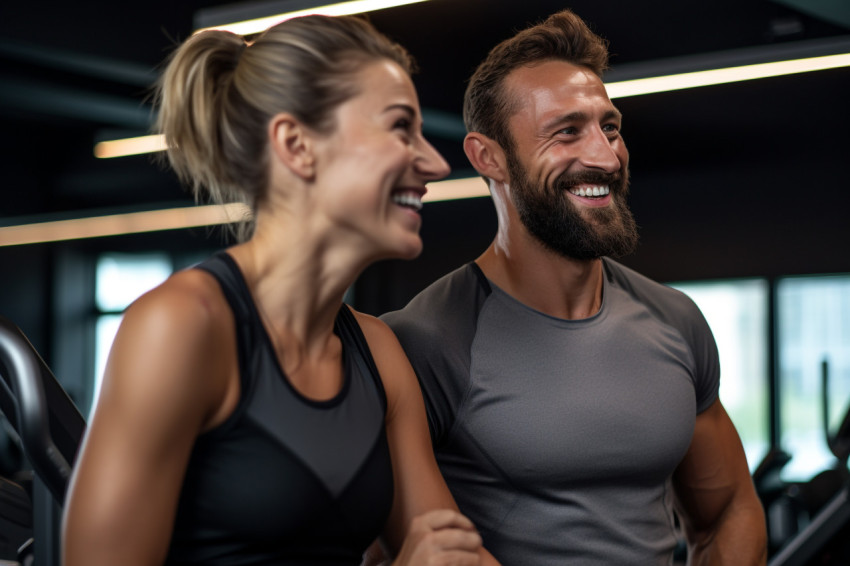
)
(411, 250)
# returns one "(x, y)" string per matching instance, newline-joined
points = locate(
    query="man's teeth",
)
(413, 200)
(599, 191)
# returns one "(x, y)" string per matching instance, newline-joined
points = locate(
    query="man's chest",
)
(597, 402)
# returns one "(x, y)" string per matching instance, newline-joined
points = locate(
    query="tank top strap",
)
(248, 326)
(223, 267)
(351, 334)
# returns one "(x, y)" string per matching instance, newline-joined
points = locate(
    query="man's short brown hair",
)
(562, 36)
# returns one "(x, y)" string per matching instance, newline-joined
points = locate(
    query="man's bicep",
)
(713, 470)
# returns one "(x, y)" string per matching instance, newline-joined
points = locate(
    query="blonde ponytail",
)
(218, 94)
(190, 98)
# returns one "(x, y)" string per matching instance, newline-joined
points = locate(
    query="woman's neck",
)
(297, 279)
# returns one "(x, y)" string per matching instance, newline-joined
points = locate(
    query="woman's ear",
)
(292, 144)
(486, 156)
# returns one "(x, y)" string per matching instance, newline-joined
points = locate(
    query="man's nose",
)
(598, 152)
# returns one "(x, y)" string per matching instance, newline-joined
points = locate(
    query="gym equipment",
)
(826, 497)
(50, 429)
(773, 493)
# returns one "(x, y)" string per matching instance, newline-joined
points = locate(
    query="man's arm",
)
(722, 516)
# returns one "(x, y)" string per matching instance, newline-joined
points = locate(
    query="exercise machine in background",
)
(808, 522)
(49, 429)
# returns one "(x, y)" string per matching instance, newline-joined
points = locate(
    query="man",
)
(572, 402)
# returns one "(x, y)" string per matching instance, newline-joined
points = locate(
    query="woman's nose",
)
(429, 163)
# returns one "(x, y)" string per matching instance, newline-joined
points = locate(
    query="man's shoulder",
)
(446, 301)
(436, 330)
(639, 285)
(629, 278)
(665, 302)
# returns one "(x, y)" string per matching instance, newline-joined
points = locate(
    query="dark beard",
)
(551, 217)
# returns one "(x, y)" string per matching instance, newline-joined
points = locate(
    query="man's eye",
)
(571, 131)
(611, 128)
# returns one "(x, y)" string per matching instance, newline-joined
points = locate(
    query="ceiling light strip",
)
(682, 81)
(453, 189)
(129, 146)
(618, 89)
(184, 217)
(118, 224)
(257, 25)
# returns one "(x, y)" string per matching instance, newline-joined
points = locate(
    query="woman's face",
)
(372, 169)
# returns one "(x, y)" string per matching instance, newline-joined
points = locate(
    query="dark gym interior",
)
(740, 180)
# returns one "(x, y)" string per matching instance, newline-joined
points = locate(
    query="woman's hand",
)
(443, 537)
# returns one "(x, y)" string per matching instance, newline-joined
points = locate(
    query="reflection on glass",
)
(813, 326)
(736, 311)
(122, 278)
(107, 326)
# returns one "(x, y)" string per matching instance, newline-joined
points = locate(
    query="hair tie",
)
(242, 49)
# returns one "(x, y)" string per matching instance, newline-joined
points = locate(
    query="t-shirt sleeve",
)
(440, 382)
(706, 357)
(680, 311)
(436, 330)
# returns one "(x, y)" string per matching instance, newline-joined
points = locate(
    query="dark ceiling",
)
(74, 72)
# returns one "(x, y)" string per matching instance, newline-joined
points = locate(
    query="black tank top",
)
(285, 479)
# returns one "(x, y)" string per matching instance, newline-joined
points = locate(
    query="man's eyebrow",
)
(579, 116)
(612, 114)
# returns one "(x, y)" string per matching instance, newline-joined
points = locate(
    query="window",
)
(813, 329)
(120, 279)
(737, 312)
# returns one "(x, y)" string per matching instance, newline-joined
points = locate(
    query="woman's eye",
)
(403, 123)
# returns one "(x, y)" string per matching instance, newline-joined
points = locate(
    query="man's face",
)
(569, 165)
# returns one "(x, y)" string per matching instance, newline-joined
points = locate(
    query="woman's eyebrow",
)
(401, 106)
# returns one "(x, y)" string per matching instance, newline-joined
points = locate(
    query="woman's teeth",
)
(411, 199)
(599, 191)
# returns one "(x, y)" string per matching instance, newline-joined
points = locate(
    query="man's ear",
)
(486, 156)
(292, 143)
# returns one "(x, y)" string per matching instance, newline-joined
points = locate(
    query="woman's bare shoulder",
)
(189, 301)
(378, 335)
(180, 333)
(396, 373)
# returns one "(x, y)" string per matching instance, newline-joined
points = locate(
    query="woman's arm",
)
(424, 517)
(167, 379)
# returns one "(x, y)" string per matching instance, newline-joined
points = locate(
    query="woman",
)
(248, 416)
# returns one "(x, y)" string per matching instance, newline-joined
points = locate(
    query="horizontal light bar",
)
(453, 189)
(183, 217)
(118, 224)
(257, 25)
(129, 146)
(682, 81)
(616, 89)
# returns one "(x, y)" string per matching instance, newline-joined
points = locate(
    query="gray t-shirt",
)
(558, 438)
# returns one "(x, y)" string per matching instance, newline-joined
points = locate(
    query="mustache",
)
(617, 181)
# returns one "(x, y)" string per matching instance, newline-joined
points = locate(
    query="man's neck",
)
(558, 286)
